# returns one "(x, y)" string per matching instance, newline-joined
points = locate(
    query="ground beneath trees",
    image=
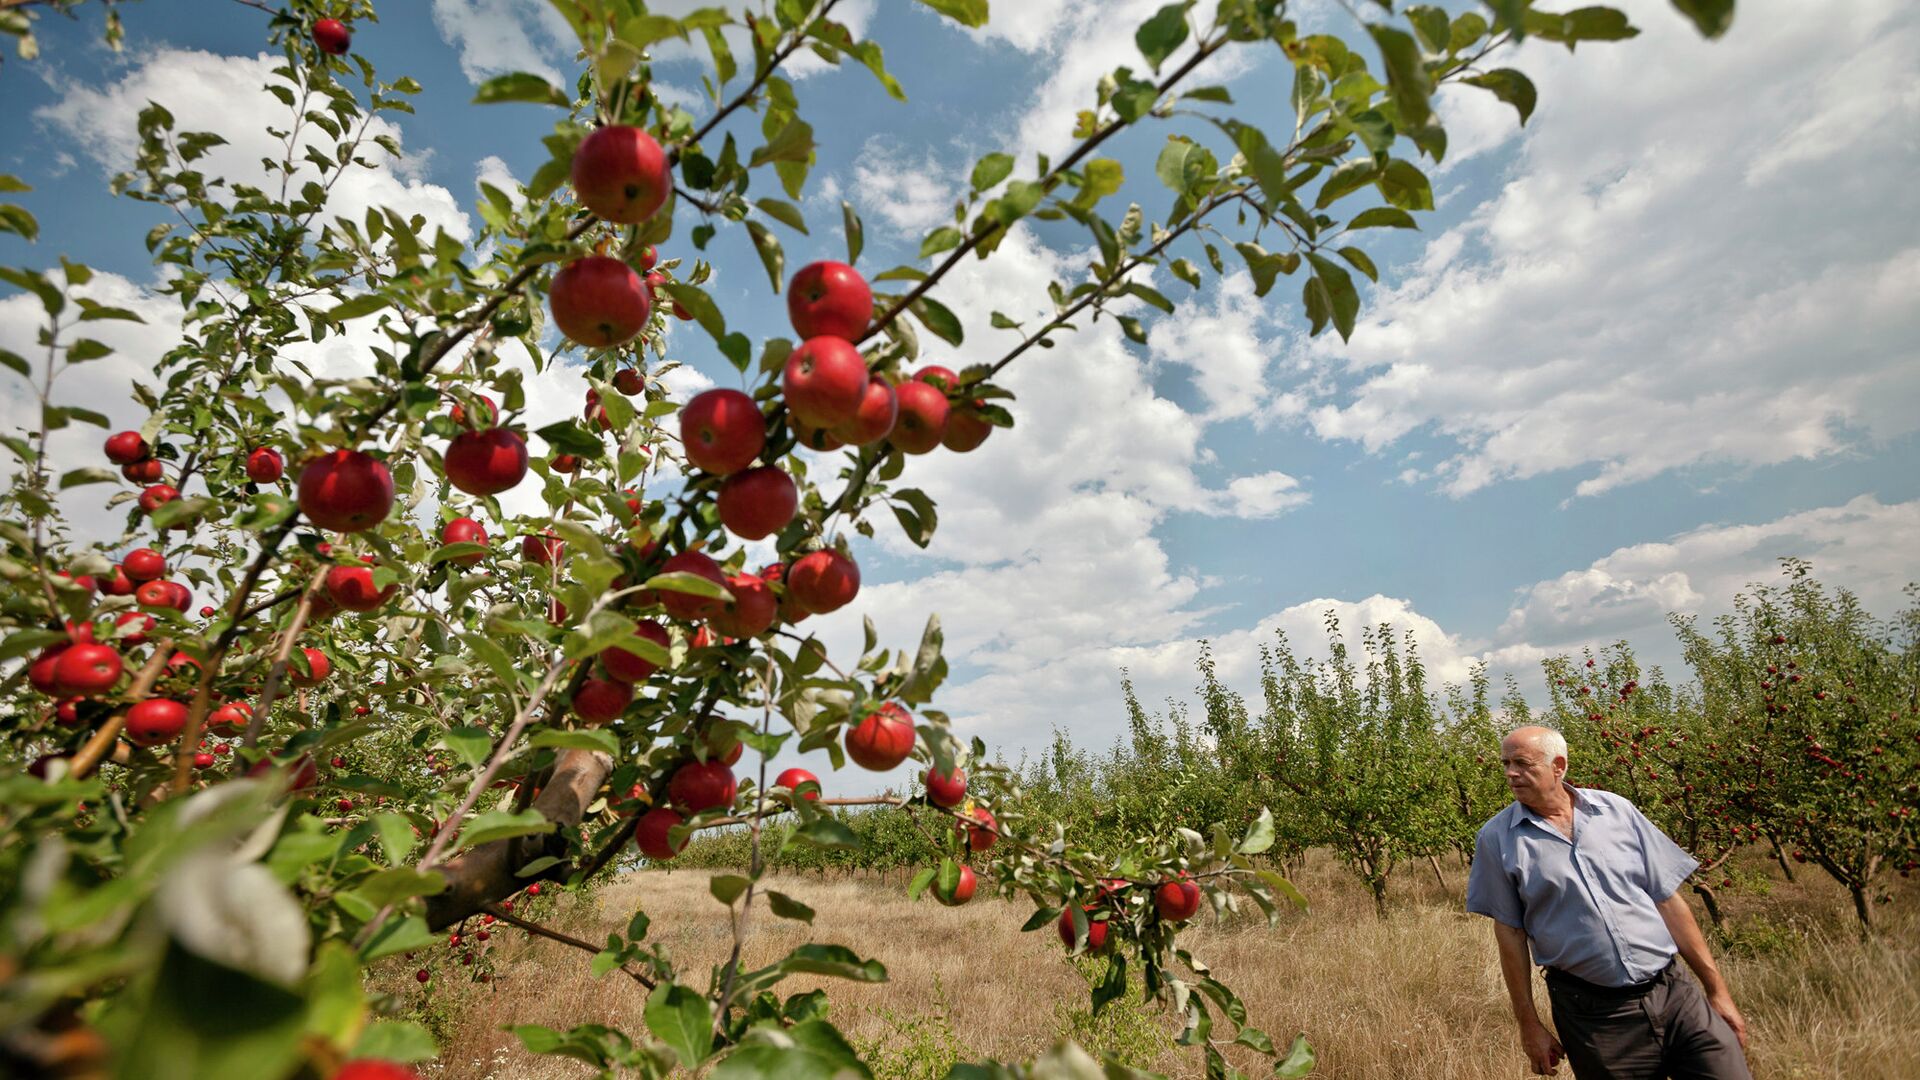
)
(1417, 995)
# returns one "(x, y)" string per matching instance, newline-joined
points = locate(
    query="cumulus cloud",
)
(226, 95)
(1657, 287)
(905, 191)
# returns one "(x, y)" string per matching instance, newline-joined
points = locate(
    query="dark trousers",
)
(1658, 1029)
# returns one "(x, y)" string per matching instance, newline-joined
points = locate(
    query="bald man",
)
(1582, 879)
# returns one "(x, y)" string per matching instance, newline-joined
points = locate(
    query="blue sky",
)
(1645, 347)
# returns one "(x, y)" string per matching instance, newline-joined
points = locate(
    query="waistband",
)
(1556, 977)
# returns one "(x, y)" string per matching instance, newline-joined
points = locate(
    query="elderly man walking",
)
(1591, 885)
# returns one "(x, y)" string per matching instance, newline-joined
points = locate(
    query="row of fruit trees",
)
(325, 700)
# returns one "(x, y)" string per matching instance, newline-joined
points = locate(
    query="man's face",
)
(1531, 774)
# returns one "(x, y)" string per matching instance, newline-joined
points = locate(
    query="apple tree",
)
(363, 666)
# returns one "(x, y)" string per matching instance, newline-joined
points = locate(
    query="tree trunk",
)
(1434, 862)
(1379, 886)
(1705, 892)
(486, 873)
(1862, 909)
(1780, 857)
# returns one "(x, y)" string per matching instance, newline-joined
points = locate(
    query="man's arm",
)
(1516, 967)
(1693, 945)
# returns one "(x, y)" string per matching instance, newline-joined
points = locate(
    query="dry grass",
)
(1417, 995)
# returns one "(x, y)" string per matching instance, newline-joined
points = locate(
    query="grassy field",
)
(1416, 995)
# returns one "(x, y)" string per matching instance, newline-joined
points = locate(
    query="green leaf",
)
(1710, 17)
(1582, 24)
(727, 888)
(469, 744)
(520, 86)
(936, 317)
(1406, 75)
(684, 581)
(794, 142)
(396, 1040)
(88, 475)
(783, 212)
(502, 825)
(1299, 1060)
(400, 883)
(356, 307)
(990, 170)
(1351, 176)
(1405, 186)
(16, 219)
(1283, 887)
(944, 238)
(1259, 835)
(398, 936)
(1186, 271)
(1342, 299)
(396, 835)
(809, 1050)
(1383, 217)
(1163, 33)
(771, 255)
(1509, 86)
(835, 960)
(682, 1019)
(828, 833)
(920, 882)
(856, 232)
(253, 1033)
(970, 13)
(786, 907)
(584, 739)
(1361, 262)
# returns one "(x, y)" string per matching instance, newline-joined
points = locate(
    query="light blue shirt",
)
(1587, 904)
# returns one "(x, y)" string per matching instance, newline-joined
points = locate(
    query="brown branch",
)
(1047, 182)
(535, 928)
(271, 688)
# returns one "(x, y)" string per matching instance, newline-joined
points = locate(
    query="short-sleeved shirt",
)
(1587, 904)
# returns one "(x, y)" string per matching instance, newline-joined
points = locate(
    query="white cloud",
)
(1265, 495)
(1659, 287)
(1222, 345)
(226, 94)
(905, 192)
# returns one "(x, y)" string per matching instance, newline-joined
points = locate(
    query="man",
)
(1591, 885)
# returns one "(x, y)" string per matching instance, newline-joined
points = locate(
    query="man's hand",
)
(1543, 1050)
(1722, 1003)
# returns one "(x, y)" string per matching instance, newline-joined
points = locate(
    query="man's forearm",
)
(1516, 967)
(1691, 942)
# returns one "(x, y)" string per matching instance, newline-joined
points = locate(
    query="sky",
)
(1648, 345)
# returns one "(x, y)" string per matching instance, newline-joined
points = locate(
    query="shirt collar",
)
(1582, 804)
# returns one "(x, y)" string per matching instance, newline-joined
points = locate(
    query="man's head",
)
(1534, 759)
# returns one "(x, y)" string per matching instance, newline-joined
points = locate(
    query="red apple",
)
(966, 428)
(155, 721)
(948, 789)
(923, 417)
(144, 564)
(464, 530)
(157, 496)
(829, 298)
(230, 719)
(979, 836)
(146, 621)
(120, 584)
(629, 381)
(144, 472)
(265, 465)
(351, 587)
(543, 550)
(86, 667)
(631, 667)
(823, 581)
(371, 1069)
(601, 701)
(67, 712)
(701, 785)
(318, 668)
(756, 503)
(346, 491)
(650, 833)
(882, 740)
(962, 889)
(879, 409)
(755, 609)
(722, 431)
(564, 463)
(938, 376)
(1096, 931)
(206, 612)
(598, 301)
(689, 606)
(332, 36)
(825, 381)
(127, 447)
(180, 598)
(793, 778)
(486, 462)
(621, 174)
(1177, 901)
(484, 410)
(648, 258)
